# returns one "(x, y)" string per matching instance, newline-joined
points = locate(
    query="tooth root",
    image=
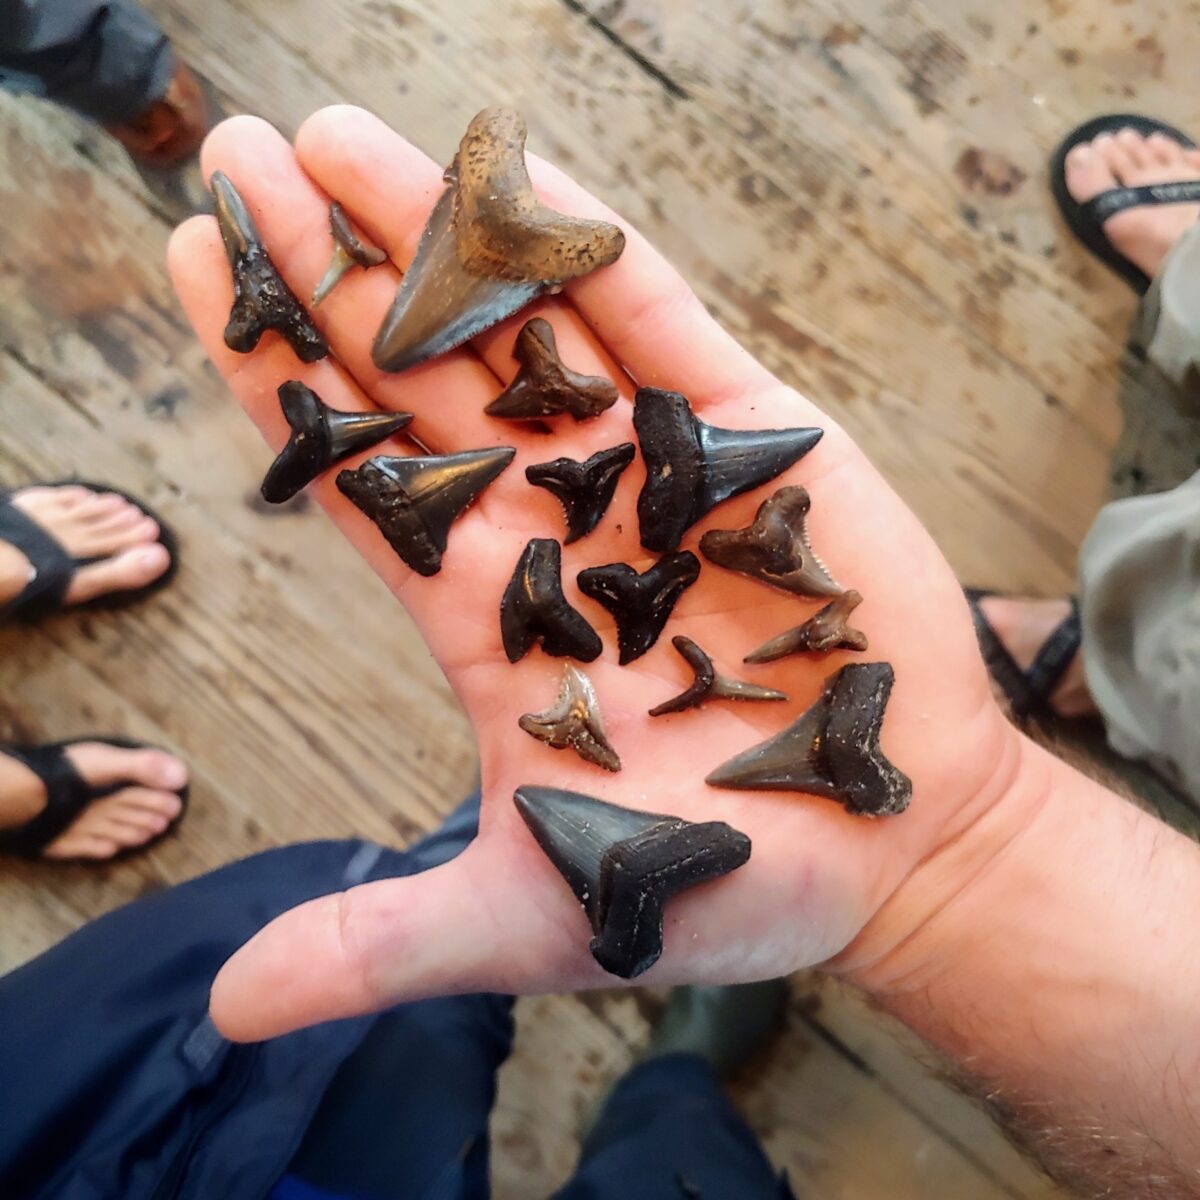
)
(574, 722)
(261, 298)
(414, 501)
(820, 634)
(830, 750)
(534, 608)
(585, 489)
(641, 603)
(625, 866)
(691, 467)
(707, 684)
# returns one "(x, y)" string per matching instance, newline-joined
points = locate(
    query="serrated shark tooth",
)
(414, 501)
(832, 749)
(349, 250)
(691, 467)
(489, 247)
(821, 633)
(707, 684)
(534, 608)
(585, 488)
(261, 298)
(574, 722)
(624, 866)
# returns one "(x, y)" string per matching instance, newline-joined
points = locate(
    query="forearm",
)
(1052, 954)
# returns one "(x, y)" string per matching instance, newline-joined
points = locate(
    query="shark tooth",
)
(544, 387)
(707, 684)
(821, 633)
(415, 500)
(691, 467)
(533, 607)
(574, 721)
(489, 247)
(585, 488)
(641, 603)
(832, 749)
(624, 866)
(774, 548)
(349, 250)
(261, 299)
(321, 436)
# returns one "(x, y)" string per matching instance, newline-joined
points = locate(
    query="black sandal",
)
(54, 568)
(67, 795)
(1027, 692)
(1086, 221)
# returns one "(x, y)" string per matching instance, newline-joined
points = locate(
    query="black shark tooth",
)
(641, 603)
(261, 299)
(692, 467)
(349, 250)
(414, 501)
(624, 866)
(820, 634)
(708, 684)
(534, 607)
(574, 721)
(831, 750)
(585, 488)
(321, 436)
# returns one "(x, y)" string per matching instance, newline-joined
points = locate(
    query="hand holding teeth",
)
(585, 488)
(824, 632)
(534, 608)
(349, 250)
(574, 722)
(708, 684)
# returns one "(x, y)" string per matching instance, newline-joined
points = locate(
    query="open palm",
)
(500, 917)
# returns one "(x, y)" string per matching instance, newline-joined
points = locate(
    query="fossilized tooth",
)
(820, 634)
(349, 250)
(574, 721)
(533, 607)
(261, 299)
(414, 501)
(691, 467)
(708, 684)
(624, 866)
(774, 548)
(585, 488)
(489, 247)
(544, 387)
(641, 603)
(321, 436)
(832, 749)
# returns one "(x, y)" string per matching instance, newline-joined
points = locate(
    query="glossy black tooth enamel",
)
(585, 488)
(641, 603)
(534, 608)
(489, 247)
(624, 866)
(832, 749)
(349, 250)
(573, 721)
(321, 436)
(692, 467)
(414, 501)
(707, 684)
(820, 634)
(261, 299)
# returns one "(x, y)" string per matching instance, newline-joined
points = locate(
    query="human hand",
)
(500, 917)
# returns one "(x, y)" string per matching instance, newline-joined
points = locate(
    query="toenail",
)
(172, 774)
(150, 556)
(1079, 154)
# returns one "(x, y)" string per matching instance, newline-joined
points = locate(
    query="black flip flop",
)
(1028, 692)
(54, 567)
(1086, 221)
(67, 795)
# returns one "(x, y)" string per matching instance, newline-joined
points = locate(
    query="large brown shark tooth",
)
(820, 634)
(533, 607)
(544, 386)
(574, 722)
(415, 500)
(624, 866)
(585, 488)
(708, 684)
(774, 548)
(692, 467)
(832, 749)
(489, 247)
(321, 436)
(349, 250)
(641, 603)
(261, 299)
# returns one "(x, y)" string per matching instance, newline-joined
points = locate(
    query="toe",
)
(105, 539)
(81, 845)
(1088, 173)
(132, 568)
(1163, 150)
(103, 765)
(1135, 149)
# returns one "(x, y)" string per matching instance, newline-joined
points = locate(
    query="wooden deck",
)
(855, 189)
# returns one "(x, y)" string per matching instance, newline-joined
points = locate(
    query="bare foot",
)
(129, 817)
(1127, 159)
(87, 524)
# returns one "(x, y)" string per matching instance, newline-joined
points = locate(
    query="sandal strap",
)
(67, 795)
(1117, 200)
(1056, 654)
(53, 567)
